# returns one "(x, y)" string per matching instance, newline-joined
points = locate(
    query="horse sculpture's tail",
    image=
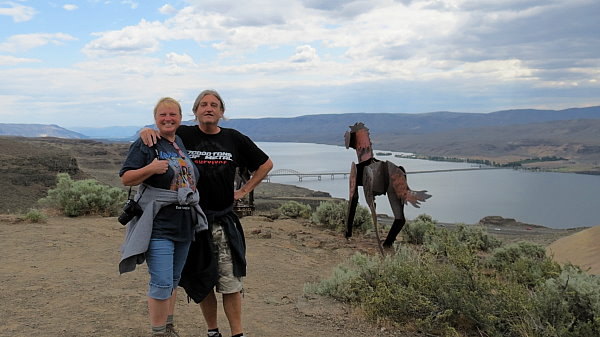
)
(397, 177)
(416, 197)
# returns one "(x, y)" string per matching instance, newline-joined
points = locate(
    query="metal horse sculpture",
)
(378, 178)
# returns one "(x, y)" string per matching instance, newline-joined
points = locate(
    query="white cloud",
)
(179, 60)
(167, 9)
(18, 12)
(11, 60)
(304, 54)
(25, 42)
(439, 54)
(140, 39)
(70, 7)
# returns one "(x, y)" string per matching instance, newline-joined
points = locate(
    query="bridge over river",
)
(332, 175)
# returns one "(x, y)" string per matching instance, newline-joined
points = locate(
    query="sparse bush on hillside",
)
(447, 287)
(333, 214)
(524, 262)
(570, 304)
(294, 209)
(477, 238)
(419, 229)
(413, 288)
(84, 197)
(35, 216)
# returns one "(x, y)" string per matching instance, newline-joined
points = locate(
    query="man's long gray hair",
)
(204, 93)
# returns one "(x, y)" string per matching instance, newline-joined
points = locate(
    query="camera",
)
(130, 210)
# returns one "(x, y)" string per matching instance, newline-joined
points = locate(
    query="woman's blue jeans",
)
(165, 259)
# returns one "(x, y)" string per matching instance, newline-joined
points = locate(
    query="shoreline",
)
(269, 196)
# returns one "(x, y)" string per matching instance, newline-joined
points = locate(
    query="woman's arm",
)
(136, 177)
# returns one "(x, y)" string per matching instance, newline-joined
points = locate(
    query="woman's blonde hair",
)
(167, 100)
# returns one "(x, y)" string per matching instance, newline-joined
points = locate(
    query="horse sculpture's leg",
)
(399, 194)
(353, 200)
(368, 182)
(397, 206)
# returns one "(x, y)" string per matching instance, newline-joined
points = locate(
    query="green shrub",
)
(35, 216)
(347, 283)
(477, 238)
(570, 304)
(417, 231)
(333, 215)
(412, 287)
(294, 209)
(447, 287)
(84, 197)
(524, 262)
(446, 244)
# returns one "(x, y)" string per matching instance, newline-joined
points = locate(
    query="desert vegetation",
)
(83, 197)
(462, 282)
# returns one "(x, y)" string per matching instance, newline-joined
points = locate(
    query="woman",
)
(217, 152)
(162, 234)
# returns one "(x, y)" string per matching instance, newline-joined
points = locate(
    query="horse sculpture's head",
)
(358, 139)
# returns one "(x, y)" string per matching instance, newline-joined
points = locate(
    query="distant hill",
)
(326, 128)
(501, 136)
(329, 128)
(109, 132)
(576, 140)
(38, 130)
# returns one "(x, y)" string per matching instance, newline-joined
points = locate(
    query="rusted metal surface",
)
(243, 207)
(378, 178)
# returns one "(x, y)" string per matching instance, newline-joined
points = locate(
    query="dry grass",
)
(580, 249)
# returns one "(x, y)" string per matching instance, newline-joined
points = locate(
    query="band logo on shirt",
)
(206, 157)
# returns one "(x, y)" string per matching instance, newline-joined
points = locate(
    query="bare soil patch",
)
(60, 278)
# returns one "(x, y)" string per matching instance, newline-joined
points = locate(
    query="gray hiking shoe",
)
(171, 331)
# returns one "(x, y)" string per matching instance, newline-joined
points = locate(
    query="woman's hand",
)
(149, 136)
(158, 166)
(136, 177)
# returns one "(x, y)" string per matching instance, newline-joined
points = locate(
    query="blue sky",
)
(106, 63)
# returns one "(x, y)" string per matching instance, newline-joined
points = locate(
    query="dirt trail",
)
(60, 279)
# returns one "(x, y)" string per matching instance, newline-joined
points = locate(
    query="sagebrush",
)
(332, 215)
(84, 197)
(449, 286)
(35, 216)
(294, 209)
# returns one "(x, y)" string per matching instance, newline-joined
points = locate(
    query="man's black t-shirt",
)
(217, 157)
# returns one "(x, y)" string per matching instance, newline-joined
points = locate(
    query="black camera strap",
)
(129, 193)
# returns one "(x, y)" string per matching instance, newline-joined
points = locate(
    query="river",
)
(555, 200)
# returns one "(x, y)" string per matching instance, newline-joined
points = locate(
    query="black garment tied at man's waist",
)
(200, 273)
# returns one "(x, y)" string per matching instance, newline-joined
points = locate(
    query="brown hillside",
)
(575, 140)
(580, 249)
(29, 166)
